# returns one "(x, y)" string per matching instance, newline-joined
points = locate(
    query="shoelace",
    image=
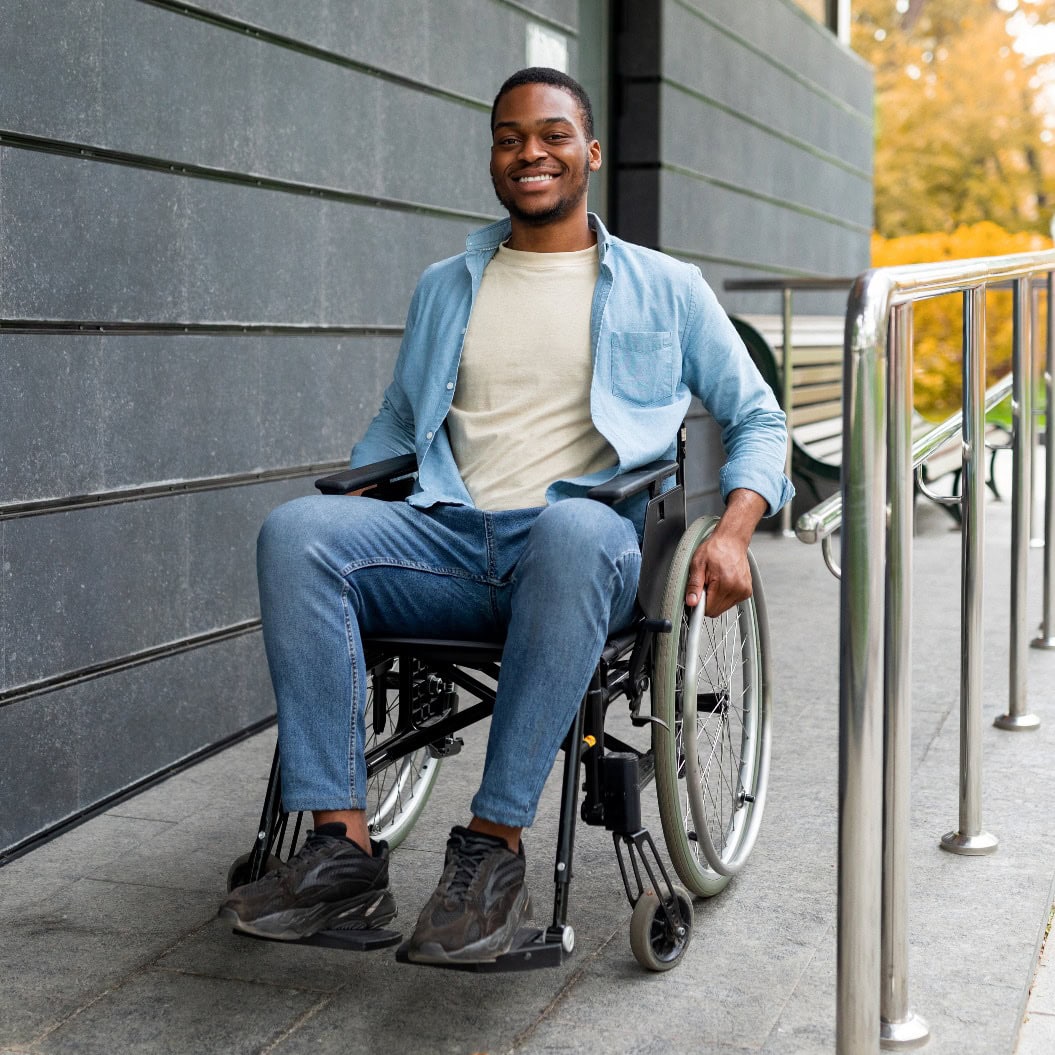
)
(313, 842)
(467, 857)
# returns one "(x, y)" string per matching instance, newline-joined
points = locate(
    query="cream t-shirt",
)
(521, 412)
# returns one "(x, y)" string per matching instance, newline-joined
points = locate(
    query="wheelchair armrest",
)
(348, 480)
(627, 484)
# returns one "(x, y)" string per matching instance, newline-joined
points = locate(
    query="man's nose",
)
(532, 149)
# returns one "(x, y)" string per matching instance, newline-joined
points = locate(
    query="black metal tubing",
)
(271, 816)
(637, 843)
(566, 826)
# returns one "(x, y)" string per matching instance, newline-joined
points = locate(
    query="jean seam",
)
(431, 569)
(353, 708)
(492, 566)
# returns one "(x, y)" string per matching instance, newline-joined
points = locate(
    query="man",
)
(544, 360)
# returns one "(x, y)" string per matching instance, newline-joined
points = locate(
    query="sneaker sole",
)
(367, 911)
(486, 950)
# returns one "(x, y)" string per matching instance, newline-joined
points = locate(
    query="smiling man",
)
(546, 358)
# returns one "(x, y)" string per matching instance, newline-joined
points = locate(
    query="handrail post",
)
(861, 594)
(1018, 718)
(1036, 528)
(969, 838)
(1047, 625)
(786, 294)
(899, 1027)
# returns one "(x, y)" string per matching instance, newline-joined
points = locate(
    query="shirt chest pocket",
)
(643, 366)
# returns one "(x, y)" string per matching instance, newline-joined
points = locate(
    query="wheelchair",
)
(702, 686)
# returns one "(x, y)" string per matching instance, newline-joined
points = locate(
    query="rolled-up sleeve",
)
(391, 432)
(717, 368)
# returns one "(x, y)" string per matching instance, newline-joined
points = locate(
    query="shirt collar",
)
(489, 238)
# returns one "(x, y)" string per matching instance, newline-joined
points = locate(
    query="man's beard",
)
(560, 208)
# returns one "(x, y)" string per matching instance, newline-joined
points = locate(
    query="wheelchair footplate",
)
(533, 949)
(349, 939)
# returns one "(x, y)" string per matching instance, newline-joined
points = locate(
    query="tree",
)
(960, 133)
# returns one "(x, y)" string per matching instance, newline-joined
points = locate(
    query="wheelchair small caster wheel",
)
(656, 945)
(238, 873)
(567, 940)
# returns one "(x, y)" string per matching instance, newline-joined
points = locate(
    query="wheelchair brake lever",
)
(639, 719)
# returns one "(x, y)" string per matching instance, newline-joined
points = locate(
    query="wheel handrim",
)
(731, 837)
(721, 766)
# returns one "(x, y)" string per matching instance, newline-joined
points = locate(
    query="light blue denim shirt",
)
(658, 335)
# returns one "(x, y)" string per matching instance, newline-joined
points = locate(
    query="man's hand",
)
(719, 565)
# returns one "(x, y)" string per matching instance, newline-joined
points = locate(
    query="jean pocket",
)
(642, 366)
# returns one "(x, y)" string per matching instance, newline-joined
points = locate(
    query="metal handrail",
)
(875, 510)
(825, 518)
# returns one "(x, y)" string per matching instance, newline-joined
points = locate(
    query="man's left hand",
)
(720, 566)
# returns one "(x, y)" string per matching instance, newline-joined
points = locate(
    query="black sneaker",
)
(476, 910)
(329, 882)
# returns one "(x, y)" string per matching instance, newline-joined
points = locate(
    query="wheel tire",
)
(655, 945)
(398, 792)
(711, 806)
(238, 873)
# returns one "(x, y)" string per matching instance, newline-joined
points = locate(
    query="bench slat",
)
(816, 403)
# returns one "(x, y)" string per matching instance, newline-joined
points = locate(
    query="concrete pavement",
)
(109, 942)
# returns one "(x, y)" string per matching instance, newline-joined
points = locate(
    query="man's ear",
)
(595, 155)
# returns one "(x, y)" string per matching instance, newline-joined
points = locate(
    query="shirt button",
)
(428, 435)
(450, 385)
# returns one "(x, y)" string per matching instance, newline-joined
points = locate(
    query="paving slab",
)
(156, 1013)
(62, 951)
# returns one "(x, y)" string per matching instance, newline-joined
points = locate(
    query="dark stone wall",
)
(212, 216)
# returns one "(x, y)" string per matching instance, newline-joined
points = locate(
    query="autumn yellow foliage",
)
(938, 323)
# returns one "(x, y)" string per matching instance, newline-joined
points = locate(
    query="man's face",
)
(541, 159)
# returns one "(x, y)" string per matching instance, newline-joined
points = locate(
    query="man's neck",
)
(561, 237)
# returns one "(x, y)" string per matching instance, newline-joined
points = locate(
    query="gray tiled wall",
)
(211, 219)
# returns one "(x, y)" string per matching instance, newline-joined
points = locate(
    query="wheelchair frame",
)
(428, 674)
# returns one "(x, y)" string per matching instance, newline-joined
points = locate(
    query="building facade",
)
(212, 215)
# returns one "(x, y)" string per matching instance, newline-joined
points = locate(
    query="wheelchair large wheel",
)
(398, 792)
(711, 689)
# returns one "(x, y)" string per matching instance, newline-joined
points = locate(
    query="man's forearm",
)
(744, 508)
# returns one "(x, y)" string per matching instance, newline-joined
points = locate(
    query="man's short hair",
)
(546, 75)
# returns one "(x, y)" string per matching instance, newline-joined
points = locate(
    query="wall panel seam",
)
(243, 28)
(537, 16)
(736, 188)
(127, 791)
(20, 693)
(865, 175)
(83, 152)
(753, 265)
(162, 489)
(146, 328)
(789, 71)
(819, 27)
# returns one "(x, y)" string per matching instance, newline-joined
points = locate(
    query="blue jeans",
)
(552, 581)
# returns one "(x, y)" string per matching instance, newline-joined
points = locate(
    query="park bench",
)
(816, 403)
